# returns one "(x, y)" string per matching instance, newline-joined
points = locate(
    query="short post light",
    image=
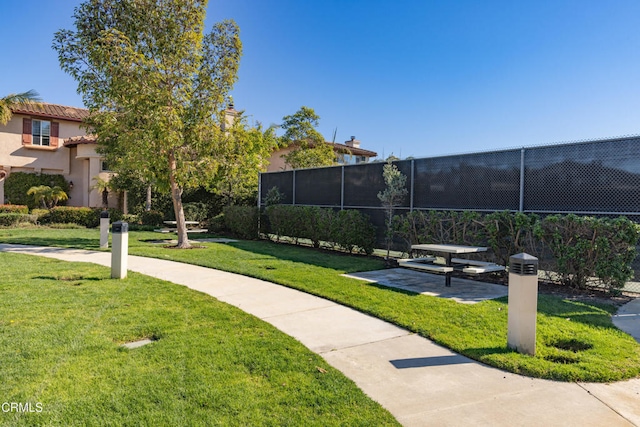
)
(104, 229)
(120, 249)
(523, 303)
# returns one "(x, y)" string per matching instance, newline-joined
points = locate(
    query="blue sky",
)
(414, 78)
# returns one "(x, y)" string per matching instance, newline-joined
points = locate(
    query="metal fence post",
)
(521, 205)
(342, 189)
(259, 189)
(293, 202)
(413, 176)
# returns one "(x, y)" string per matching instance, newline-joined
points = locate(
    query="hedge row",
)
(88, 217)
(575, 248)
(22, 209)
(12, 219)
(348, 230)
(240, 220)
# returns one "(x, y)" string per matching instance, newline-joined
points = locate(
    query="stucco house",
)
(348, 153)
(48, 139)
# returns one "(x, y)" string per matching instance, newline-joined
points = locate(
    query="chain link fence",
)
(599, 177)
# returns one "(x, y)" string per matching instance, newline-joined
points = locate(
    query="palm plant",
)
(39, 193)
(102, 186)
(12, 100)
(46, 196)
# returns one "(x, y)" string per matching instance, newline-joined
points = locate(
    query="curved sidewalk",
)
(419, 382)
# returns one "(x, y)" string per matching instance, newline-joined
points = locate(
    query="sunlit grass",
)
(602, 352)
(62, 326)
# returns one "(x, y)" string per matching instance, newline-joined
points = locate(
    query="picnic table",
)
(450, 263)
(191, 227)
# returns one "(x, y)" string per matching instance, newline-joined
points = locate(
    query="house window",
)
(41, 132)
(104, 166)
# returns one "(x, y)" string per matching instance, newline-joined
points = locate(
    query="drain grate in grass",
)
(139, 343)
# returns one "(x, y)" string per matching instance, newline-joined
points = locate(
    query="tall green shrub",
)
(18, 183)
(587, 247)
(464, 228)
(508, 233)
(348, 229)
(242, 221)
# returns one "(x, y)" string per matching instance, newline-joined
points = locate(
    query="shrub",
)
(195, 211)
(216, 224)
(70, 215)
(130, 218)
(18, 183)
(354, 230)
(464, 228)
(242, 221)
(510, 233)
(39, 212)
(347, 229)
(273, 197)
(152, 218)
(577, 248)
(94, 220)
(21, 209)
(586, 247)
(13, 219)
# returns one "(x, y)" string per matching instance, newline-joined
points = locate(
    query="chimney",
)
(230, 115)
(353, 142)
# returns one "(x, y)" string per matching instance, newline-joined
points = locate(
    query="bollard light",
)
(120, 249)
(523, 303)
(104, 229)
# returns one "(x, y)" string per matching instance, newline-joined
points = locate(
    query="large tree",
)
(11, 101)
(155, 86)
(244, 151)
(309, 147)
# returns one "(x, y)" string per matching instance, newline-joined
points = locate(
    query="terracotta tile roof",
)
(82, 139)
(343, 148)
(53, 111)
(354, 151)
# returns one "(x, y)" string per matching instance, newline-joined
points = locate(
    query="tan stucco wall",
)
(35, 159)
(77, 164)
(276, 161)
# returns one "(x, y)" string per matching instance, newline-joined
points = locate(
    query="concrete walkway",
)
(420, 383)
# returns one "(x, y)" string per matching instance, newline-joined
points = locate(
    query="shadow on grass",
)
(69, 278)
(61, 242)
(392, 289)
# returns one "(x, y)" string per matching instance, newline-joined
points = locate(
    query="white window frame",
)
(39, 139)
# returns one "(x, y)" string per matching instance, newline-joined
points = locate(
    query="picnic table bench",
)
(190, 227)
(429, 263)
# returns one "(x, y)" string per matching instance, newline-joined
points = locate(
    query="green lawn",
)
(62, 326)
(575, 341)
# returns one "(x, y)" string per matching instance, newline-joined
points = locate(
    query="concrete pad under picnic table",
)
(461, 290)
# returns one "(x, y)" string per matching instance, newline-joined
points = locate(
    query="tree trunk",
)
(176, 195)
(147, 205)
(105, 198)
